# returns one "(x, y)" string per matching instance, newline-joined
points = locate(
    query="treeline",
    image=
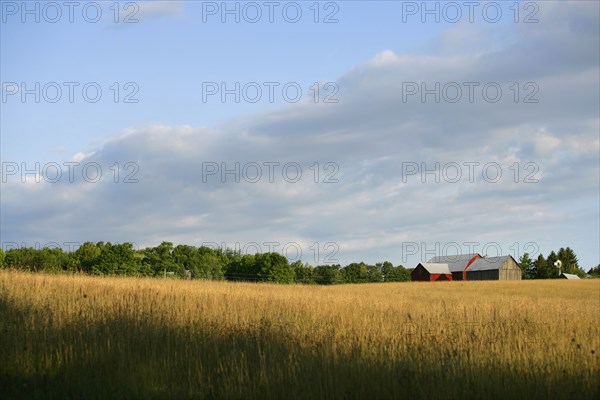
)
(544, 268)
(186, 261)
(203, 262)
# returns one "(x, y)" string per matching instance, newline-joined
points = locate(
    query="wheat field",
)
(66, 336)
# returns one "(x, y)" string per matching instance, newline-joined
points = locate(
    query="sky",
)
(331, 132)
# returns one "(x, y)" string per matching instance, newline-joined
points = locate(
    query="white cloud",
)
(156, 8)
(384, 58)
(545, 143)
(78, 156)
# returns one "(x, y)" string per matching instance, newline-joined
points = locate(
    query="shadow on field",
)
(125, 358)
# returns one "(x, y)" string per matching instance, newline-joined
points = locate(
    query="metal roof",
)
(569, 276)
(434, 268)
(488, 263)
(456, 263)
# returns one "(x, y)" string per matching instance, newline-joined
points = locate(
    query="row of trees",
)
(544, 268)
(218, 264)
(198, 262)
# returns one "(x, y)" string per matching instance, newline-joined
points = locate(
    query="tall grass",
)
(86, 337)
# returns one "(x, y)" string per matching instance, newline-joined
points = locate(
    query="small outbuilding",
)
(569, 276)
(431, 272)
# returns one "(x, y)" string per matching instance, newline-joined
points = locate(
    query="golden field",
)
(66, 336)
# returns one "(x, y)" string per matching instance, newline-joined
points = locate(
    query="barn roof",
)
(488, 263)
(435, 268)
(569, 276)
(456, 263)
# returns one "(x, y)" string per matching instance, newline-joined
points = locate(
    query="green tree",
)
(595, 272)
(569, 260)
(540, 266)
(242, 268)
(386, 269)
(304, 273)
(203, 262)
(400, 274)
(527, 266)
(273, 267)
(183, 255)
(160, 259)
(570, 264)
(143, 269)
(118, 259)
(374, 274)
(2, 256)
(86, 256)
(30, 259)
(18, 258)
(393, 274)
(327, 274)
(355, 273)
(553, 270)
(208, 264)
(48, 259)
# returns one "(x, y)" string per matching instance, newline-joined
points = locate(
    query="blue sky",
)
(542, 133)
(170, 52)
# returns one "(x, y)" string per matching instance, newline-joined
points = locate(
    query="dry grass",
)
(87, 337)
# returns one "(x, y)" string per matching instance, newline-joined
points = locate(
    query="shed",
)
(430, 272)
(494, 268)
(569, 276)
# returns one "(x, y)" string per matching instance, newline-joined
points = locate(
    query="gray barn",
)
(469, 267)
(494, 268)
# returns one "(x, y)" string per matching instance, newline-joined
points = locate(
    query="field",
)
(86, 337)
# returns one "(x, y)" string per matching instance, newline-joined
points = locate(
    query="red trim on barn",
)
(440, 277)
(475, 257)
(421, 274)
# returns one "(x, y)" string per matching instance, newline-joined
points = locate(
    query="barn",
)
(456, 263)
(568, 276)
(431, 272)
(503, 268)
(467, 267)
